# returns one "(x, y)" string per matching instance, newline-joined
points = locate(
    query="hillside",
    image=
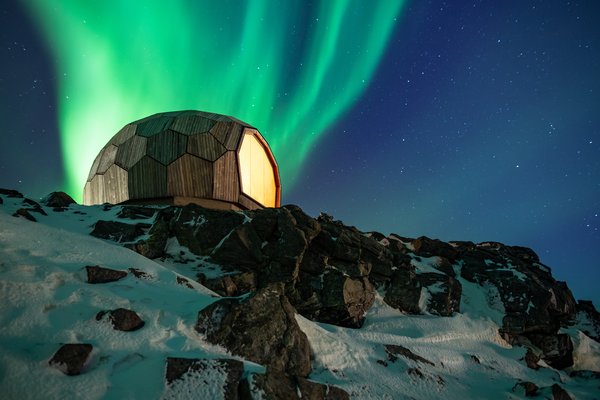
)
(186, 302)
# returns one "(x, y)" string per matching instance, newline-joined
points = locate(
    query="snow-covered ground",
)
(45, 302)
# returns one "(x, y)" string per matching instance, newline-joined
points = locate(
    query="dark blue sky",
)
(481, 123)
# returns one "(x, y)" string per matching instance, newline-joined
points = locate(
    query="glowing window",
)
(258, 178)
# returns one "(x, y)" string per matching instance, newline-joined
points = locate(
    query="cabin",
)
(184, 157)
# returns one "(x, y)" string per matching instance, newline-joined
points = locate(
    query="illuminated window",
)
(258, 178)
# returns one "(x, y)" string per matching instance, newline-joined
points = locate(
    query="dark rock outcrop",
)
(136, 212)
(11, 193)
(203, 369)
(97, 274)
(393, 351)
(122, 319)
(588, 319)
(23, 212)
(71, 358)
(558, 393)
(118, 231)
(278, 385)
(261, 328)
(58, 200)
(530, 389)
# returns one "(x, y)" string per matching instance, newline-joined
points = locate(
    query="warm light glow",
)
(258, 177)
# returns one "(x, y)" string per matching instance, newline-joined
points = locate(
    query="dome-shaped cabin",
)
(186, 157)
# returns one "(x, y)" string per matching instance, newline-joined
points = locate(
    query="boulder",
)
(136, 212)
(394, 350)
(261, 328)
(277, 385)
(58, 200)
(532, 359)
(122, 319)
(97, 274)
(588, 319)
(426, 247)
(71, 358)
(23, 212)
(204, 372)
(558, 393)
(529, 389)
(118, 231)
(557, 349)
(11, 193)
(585, 374)
(405, 289)
(333, 297)
(232, 285)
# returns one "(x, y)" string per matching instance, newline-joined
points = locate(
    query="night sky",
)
(460, 120)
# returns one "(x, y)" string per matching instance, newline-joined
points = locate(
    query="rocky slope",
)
(286, 297)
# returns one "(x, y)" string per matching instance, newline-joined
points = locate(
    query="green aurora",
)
(288, 69)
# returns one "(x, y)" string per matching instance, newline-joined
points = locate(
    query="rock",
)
(415, 372)
(426, 247)
(71, 358)
(588, 319)
(138, 273)
(59, 200)
(444, 293)
(278, 385)
(475, 359)
(528, 388)
(11, 193)
(558, 393)
(204, 371)
(532, 359)
(34, 206)
(97, 274)
(405, 289)
(261, 328)
(230, 285)
(585, 374)
(393, 351)
(23, 212)
(184, 282)
(334, 298)
(240, 248)
(197, 228)
(136, 212)
(154, 246)
(118, 231)
(122, 319)
(557, 350)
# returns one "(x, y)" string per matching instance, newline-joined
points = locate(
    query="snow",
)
(45, 302)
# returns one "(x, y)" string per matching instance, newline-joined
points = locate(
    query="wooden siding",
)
(115, 185)
(226, 179)
(205, 146)
(153, 126)
(123, 135)
(107, 159)
(147, 178)
(94, 191)
(220, 130)
(166, 146)
(95, 165)
(131, 152)
(192, 124)
(190, 176)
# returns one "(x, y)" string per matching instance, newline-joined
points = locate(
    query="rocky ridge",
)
(270, 264)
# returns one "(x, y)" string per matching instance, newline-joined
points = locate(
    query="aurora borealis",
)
(466, 120)
(290, 70)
